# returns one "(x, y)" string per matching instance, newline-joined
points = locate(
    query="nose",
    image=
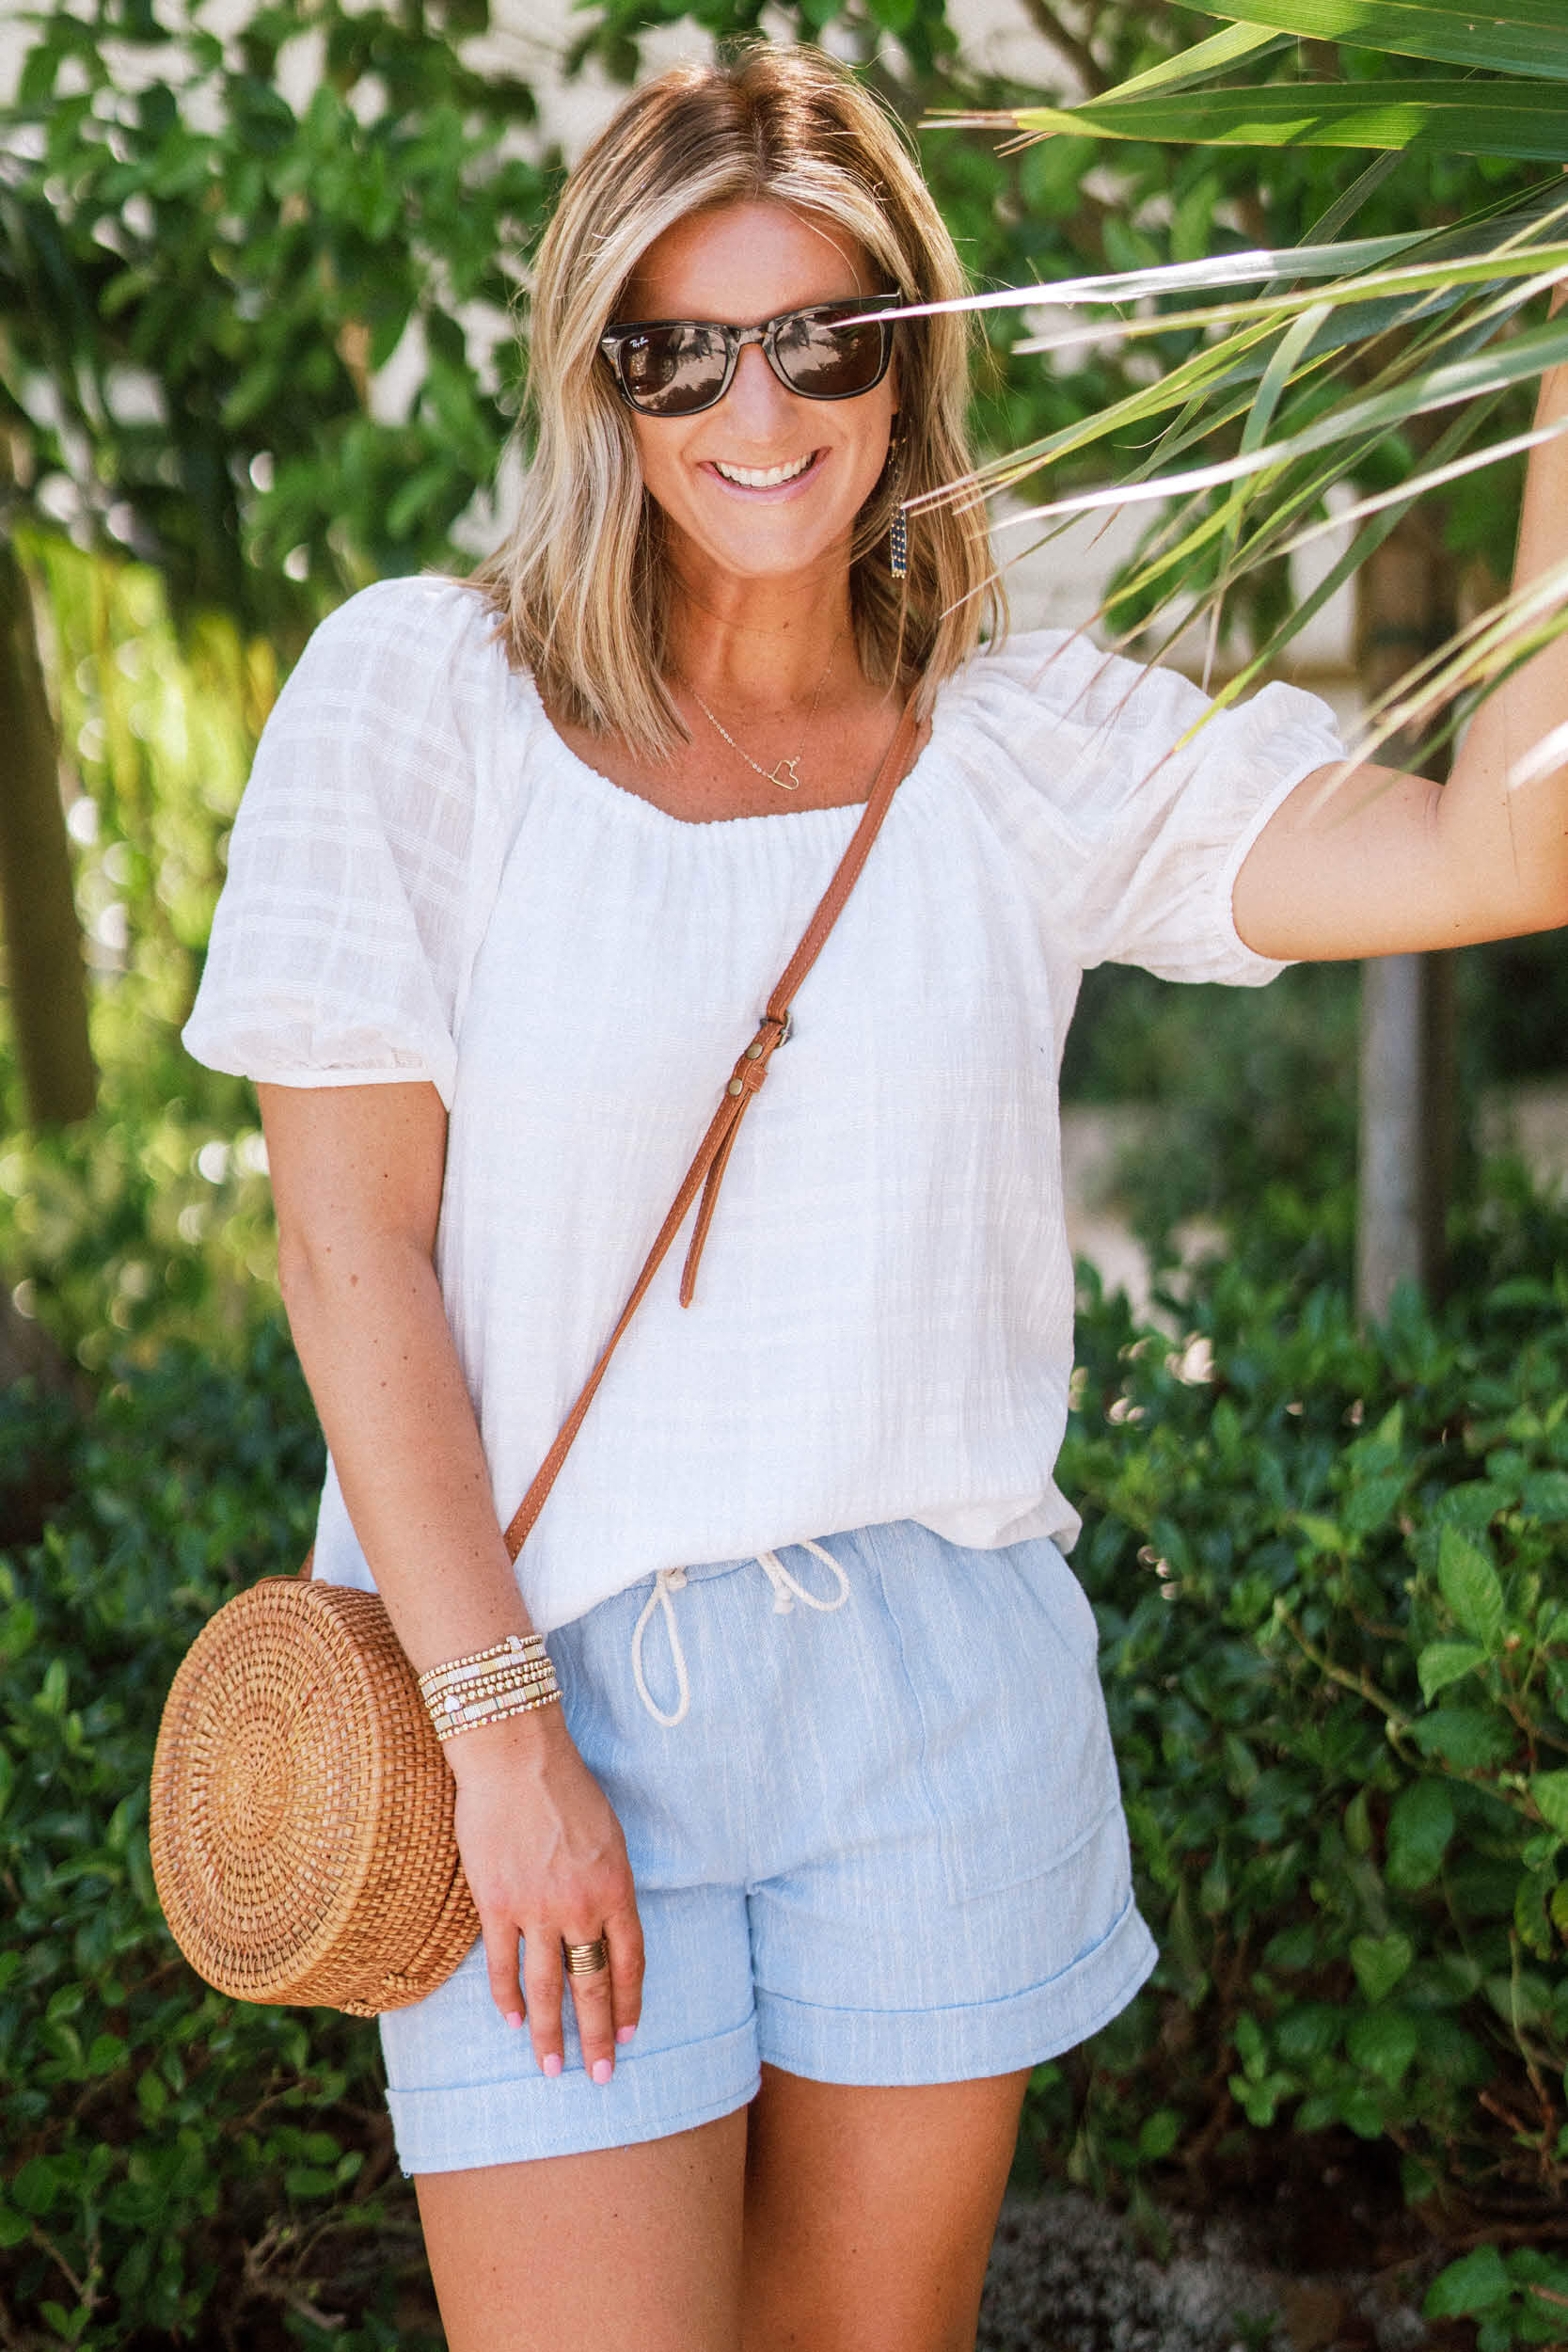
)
(756, 399)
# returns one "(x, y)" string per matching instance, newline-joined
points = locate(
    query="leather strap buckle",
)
(762, 1043)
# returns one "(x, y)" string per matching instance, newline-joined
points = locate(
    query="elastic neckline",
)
(612, 793)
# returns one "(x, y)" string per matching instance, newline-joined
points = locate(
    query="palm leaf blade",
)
(1525, 121)
(1530, 38)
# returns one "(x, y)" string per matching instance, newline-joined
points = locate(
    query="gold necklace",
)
(772, 775)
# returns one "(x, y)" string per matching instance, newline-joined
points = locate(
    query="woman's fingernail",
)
(603, 2068)
(624, 2033)
(551, 2063)
(513, 2017)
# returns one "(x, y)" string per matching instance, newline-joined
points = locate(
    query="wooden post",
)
(1408, 1021)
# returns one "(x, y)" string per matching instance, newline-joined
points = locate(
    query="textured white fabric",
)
(425, 883)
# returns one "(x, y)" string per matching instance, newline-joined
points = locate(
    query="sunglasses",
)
(677, 367)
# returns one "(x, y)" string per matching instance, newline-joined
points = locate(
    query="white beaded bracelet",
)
(493, 1710)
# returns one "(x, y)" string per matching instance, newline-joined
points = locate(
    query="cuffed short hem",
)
(525, 2116)
(893, 2047)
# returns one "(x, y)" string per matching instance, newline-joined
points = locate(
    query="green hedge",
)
(1326, 1570)
(176, 2166)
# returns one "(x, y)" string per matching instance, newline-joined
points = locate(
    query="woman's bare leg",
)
(635, 2249)
(870, 2213)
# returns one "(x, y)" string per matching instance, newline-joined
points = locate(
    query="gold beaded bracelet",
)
(479, 1698)
(512, 1648)
(532, 1670)
(494, 1711)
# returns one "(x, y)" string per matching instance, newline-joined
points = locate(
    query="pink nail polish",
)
(513, 2018)
(553, 2064)
(603, 2068)
(624, 2033)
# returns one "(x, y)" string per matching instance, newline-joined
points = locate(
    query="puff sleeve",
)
(347, 923)
(1134, 827)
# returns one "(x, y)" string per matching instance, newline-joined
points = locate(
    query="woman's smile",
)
(773, 482)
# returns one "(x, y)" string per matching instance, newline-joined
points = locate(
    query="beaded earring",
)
(898, 530)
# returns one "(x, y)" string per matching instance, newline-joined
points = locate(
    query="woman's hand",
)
(545, 1859)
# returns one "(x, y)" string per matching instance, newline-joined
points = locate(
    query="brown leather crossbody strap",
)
(706, 1171)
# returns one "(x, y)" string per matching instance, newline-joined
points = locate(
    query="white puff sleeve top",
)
(424, 883)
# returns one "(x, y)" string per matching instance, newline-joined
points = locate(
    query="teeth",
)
(761, 478)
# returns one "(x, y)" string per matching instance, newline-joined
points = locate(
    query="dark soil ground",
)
(1067, 2275)
(1308, 2248)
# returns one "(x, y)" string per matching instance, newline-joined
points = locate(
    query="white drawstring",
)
(786, 1592)
(668, 1581)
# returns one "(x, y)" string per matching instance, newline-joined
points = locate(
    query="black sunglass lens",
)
(670, 371)
(829, 358)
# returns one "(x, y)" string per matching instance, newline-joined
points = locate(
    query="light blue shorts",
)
(882, 1843)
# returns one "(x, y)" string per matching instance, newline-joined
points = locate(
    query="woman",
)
(827, 1829)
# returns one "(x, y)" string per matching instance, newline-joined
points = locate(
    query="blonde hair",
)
(581, 584)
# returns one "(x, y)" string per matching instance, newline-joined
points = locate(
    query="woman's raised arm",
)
(1378, 862)
(357, 1176)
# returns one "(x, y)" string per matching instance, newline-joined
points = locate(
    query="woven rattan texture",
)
(302, 1809)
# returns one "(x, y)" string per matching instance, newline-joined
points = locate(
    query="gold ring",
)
(586, 1959)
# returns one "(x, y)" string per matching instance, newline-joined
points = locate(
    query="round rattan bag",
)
(302, 1809)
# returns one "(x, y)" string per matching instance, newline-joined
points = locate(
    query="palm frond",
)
(1531, 36)
(1301, 370)
(1523, 120)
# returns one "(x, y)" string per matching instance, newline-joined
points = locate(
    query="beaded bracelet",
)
(496, 1710)
(479, 1678)
(513, 1647)
(482, 1685)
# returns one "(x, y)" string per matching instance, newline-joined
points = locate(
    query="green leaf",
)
(1550, 1793)
(304, 2180)
(1158, 2134)
(1470, 1586)
(1477, 2282)
(1372, 1503)
(37, 2185)
(1448, 384)
(1545, 1493)
(14, 2227)
(1468, 1738)
(1250, 2046)
(1309, 2030)
(1379, 1962)
(1383, 2041)
(1526, 121)
(1420, 1823)
(414, 498)
(1529, 35)
(1196, 64)
(1361, 2109)
(42, 64)
(1531, 1918)
(1259, 2100)
(1442, 1662)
